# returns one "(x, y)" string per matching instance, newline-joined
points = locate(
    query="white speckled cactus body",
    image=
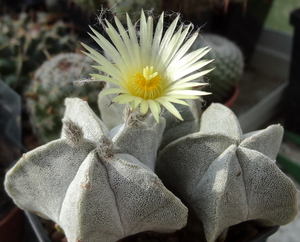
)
(227, 177)
(94, 188)
(51, 84)
(229, 65)
(112, 116)
(99, 185)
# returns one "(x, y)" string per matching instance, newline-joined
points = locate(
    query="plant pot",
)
(246, 231)
(229, 103)
(12, 226)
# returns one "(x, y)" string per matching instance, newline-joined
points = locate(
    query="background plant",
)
(51, 84)
(26, 41)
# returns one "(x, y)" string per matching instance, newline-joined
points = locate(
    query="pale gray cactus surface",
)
(227, 177)
(89, 187)
(112, 115)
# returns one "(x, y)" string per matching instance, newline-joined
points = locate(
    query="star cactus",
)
(89, 187)
(227, 177)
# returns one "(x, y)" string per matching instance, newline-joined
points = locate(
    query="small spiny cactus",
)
(51, 84)
(28, 40)
(229, 64)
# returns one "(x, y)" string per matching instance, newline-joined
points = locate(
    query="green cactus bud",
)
(26, 42)
(229, 64)
(93, 192)
(228, 178)
(51, 84)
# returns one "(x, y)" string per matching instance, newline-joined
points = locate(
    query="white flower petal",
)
(157, 40)
(151, 68)
(169, 107)
(183, 50)
(124, 98)
(155, 109)
(126, 40)
(168, 35)
(175, 100)
(98, 77)
(96, 56)
(195, 76)
(190, 58)
(109, 49)
(197, 66)
(144, 107)
(111, 91)
(119, 44)
(135, 46)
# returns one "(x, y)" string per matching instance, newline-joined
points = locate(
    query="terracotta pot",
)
(229, 103)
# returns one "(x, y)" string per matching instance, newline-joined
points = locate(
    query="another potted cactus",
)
(101, 184)
(28, 40)
(51, 83)
(229, 67)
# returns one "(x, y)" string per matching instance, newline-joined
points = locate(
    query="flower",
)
(150, 68)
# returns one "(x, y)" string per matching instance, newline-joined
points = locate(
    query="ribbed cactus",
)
(112, 115)
(51, 84)
(229, 64)
(227, 177)
(27, 41)
(99, 185)
(92, 188)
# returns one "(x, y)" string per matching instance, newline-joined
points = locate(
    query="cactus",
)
(51, 84)
(112, 115)
(89, 187)
(27, 41)
(226, 177)
(102, 185)
(229, 64)
(99, 185)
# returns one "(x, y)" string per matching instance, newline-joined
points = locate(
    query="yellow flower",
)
(150, 68)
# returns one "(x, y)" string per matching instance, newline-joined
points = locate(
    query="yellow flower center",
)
(147, 85)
